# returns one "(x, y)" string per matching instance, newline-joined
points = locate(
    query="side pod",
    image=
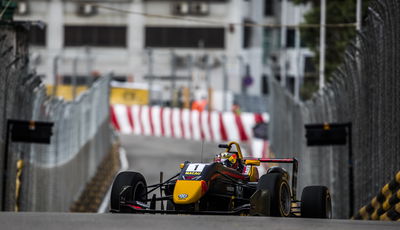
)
(260, 203)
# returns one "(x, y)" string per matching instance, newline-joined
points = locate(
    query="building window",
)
(265, 87)
(247, 33)
(269, 8)
(290, 38)
(103, 36)
(178, 37)
(86, 79)
(267, 44)
(37, 36)
(79, 80)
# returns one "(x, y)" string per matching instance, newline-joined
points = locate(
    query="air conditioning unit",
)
(180, 8)
(86, 9)
(199, 8)
(22, 8)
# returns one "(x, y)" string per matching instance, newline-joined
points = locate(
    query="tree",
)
(337, 39)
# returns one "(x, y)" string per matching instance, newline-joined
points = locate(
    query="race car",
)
(230, 185)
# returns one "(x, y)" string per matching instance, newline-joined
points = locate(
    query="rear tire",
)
(279, 190)
(127, 178)
(316, 202)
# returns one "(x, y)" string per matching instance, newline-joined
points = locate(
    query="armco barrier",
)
(385, 205)
(190, 124)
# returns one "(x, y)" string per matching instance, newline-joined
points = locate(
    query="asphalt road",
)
(74, 221)
(149, 156)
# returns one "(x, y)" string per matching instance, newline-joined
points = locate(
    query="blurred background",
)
(180, 51)
(189, 50)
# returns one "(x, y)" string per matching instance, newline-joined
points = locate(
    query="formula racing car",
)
(230, 185)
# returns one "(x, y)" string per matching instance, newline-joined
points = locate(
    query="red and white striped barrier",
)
(191, 124)
(185, 123)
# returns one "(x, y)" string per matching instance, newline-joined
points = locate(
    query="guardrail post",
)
(351, 171)
(5, 168)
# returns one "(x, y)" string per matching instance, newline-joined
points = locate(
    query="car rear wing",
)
(295, 166)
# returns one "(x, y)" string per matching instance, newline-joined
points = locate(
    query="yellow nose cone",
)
(188, 191)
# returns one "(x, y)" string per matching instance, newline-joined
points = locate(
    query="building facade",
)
(197, 44)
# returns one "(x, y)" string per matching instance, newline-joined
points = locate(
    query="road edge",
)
(124, 166)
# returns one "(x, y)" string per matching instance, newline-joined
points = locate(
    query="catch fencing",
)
(365, 93)
(250, 103)
(51, 176)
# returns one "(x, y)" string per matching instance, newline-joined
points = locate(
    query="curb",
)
(124, 166)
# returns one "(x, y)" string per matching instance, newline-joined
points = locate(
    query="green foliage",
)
(309, 87)
(337, 39)
(7, 10)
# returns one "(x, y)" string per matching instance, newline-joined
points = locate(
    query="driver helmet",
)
(227, 159)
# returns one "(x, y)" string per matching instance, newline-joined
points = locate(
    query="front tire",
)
(128, 178)
(316, 202)
(278, 187)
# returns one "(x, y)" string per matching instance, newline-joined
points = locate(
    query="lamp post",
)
(283, 44)
(322, 46)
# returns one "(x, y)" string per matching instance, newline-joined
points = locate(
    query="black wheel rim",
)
(139, 192)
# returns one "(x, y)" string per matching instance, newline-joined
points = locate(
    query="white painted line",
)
(123, 159)
(104, 204)
(124, 166)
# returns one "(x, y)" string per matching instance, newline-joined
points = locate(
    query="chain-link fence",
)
(365, 90)
(52, 175)
(250, 103)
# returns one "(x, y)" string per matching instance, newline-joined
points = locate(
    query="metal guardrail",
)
(365, 91)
